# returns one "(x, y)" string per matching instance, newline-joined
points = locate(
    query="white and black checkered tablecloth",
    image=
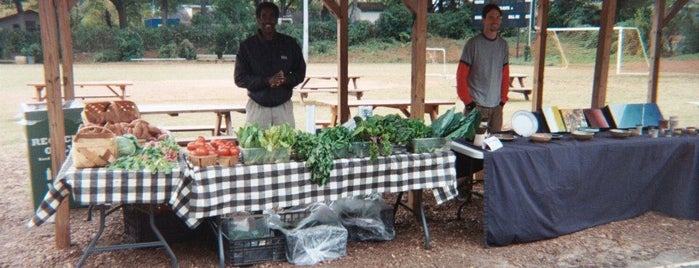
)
(213, 191)
(97, 186)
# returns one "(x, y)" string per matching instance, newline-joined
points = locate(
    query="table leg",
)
(405, 111)
(229, 125)
(521, 81)
(92, 248)
(305, 81)
(512, 80)
(123, 91)
(333, 115)
(419, 214)
(432, 110)
(112, 90)
(354, 82)
(39, 89)
(217, 130)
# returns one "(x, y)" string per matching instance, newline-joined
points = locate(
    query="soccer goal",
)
(620, 43)
(432, 56)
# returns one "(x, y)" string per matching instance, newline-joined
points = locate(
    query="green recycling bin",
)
(38, 148)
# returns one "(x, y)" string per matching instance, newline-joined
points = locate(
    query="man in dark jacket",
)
(269, 65)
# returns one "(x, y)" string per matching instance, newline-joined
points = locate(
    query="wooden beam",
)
(417, 81)
(604, 44)
(66, 49)
(334, 8)
(656, 37)
(339, 11)
(540, 54)
(412, 5)
(418, 59)
(674, 9)
(49, 45)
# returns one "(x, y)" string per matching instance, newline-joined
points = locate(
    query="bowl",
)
(540, 137)
(620, 133)
(582, 135)
(691, 130)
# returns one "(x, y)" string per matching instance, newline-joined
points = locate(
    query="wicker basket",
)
(93, 147)
(97, 113)
(126, 111)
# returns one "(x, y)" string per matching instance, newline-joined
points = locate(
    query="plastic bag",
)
(366, 218)
(318, 237)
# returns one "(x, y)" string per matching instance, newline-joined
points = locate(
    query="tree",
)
(16, 3)
(119, 5)
(571, 13)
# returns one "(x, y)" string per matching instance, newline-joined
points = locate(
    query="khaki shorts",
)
(491, 115)
(270, 116)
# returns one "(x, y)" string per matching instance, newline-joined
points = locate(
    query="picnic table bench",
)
(110, 85)
(431, 107)
(304, 89)
(521, 88)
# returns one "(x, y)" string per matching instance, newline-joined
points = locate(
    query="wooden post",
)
(656, 37)
(66, 48)
(339, 11)
(540, 54)
(604, 44)
(418, 65)
(49, 44)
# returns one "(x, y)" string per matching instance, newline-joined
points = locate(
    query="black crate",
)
(137, 226)
(258, 250)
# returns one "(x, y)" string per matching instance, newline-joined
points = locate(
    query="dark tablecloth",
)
(535, 191)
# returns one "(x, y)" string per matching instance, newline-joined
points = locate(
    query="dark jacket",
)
(257, 60)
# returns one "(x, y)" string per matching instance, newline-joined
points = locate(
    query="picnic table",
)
(431, 107)
(521, 88)
(304, 89)
(222, 111)
(112, 86)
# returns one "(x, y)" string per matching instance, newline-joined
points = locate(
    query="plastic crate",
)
(169, 225)
(258, 250)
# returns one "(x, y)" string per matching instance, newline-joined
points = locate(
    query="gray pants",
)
(270, 116)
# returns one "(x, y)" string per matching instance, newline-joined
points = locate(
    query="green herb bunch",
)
(320, 161)
(372, 130)
(339, 138)
(305, 143)
(156, 156)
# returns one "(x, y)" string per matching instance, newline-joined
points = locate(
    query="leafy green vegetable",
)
(156, 156)
(127, 145)
(320, 161)
(455, 125)
(249, 136)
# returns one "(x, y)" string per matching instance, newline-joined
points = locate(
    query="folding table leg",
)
(419, 215)
(93, 248)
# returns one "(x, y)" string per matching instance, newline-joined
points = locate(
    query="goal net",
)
(578, 45)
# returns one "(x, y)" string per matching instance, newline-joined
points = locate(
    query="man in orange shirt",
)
(483, 74)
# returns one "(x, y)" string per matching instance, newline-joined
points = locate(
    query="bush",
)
(93, 38)
(360, 31)
(395, 23)
(322, 30)
(450, 24)
(226, 41)
(33, 50)
(187, 50)
(108, 55)
(167, 51)
(129, 45)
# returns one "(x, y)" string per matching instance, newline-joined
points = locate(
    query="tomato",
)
(191, 146)
(223, 152)
(216, 143)
(201, 151)
(199, 144)
(201, 138)
(235, 151)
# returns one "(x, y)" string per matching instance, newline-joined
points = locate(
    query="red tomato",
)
(199, 144)
(201, 138)
(223, 152)
(191, 146)
(201, 151)
(235, 151)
